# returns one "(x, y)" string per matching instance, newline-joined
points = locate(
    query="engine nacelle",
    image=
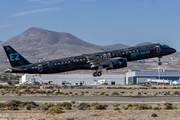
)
(117, 63)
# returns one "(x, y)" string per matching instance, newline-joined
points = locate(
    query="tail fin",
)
(14, 57)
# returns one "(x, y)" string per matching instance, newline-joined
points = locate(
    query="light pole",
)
(159, 74)
(82, 77)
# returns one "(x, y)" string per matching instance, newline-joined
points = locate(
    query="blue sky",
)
(101, 22)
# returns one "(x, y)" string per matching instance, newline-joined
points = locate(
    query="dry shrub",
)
(176, 93)
(102, 93)
(139, 94)
(94, 104)
(73, 102)
(55, 109)
(168, 106)
(135, 106)
(37, 108)
(97, 106)
(154, 115)
(144, 107)
(83, 106)
(105, 105)
(9, 108)
(116, 108)
(28, 107)
(70, 119)
(115, 93)
(33, 104)
(123, 107)
(156, 107)
(14, 103)
(67, 105)
(46, 106)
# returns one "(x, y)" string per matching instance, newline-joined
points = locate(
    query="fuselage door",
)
(158, 48)
(40, 68)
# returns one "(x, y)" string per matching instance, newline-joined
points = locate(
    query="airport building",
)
(86, 79)
(131, 77)
(160, 76)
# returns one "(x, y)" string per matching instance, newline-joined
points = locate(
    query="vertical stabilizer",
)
(14, 57)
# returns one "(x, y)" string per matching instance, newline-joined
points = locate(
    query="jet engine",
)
(116, 63)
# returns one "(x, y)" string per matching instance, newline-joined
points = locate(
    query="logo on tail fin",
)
(14, 56)
(7, 48)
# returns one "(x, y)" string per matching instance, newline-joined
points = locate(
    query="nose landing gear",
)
(159, 61)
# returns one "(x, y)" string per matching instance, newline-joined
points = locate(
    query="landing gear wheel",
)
(95, 74)
(99, 73)
(159, 63)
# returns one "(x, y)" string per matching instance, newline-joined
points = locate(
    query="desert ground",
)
(76, 114)
(91, 115)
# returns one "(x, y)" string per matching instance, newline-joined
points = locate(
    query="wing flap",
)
(94, 61)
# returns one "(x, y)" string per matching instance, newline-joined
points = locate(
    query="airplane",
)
(114, 59)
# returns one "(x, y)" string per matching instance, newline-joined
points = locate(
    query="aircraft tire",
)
(99, 73)
(159, 63)
(95, 74)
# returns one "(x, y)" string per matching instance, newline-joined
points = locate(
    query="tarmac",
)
(98, 99)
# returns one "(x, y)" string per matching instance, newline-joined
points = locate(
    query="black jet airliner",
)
(97, 61)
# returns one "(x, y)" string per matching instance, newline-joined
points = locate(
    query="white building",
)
(87, 79)
(140, 77)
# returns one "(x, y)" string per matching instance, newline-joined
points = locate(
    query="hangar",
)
(161, 76)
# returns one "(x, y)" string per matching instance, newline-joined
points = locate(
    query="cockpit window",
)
(164, 46)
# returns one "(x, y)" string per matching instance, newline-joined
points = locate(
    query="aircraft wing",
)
(94, 61)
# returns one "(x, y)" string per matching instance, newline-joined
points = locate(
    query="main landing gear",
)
(98, 72)
(95, 74)
(159, 61)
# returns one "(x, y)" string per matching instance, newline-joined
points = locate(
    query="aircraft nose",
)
(173, 50)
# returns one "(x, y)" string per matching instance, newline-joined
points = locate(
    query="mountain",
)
(44, 43)
(37, 41)
(39, 44)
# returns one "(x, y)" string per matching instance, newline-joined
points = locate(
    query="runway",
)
(99, 99)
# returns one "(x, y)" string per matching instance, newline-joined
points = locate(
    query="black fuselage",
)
(80, 62)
